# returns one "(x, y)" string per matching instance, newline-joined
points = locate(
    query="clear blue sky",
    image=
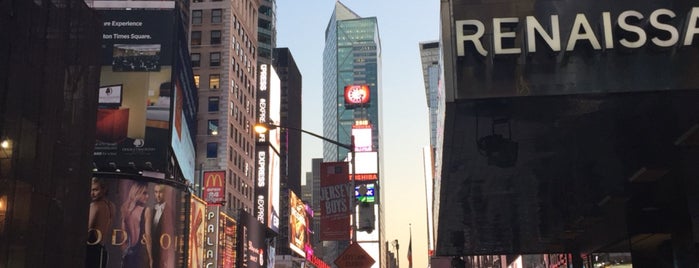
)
(402, 26)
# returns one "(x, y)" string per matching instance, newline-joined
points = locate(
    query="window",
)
(196, 59)
(213, 104)
(216, 15)
(196, 17)
(212, 127)
(196, 80)
(196, 38)
(215, 59)
(216, 37)
(211, 149)
(214, 80)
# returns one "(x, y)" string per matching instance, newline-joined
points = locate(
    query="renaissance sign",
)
(666, 35)
(510, 48)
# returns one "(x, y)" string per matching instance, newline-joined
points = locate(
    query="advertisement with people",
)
(298, 225)
(134, 224)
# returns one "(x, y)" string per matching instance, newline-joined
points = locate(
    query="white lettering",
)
(553, 40)
(691, 27)
(674, 34)
(475, 38)
(623, 24)
(575, 35)
(498, 35)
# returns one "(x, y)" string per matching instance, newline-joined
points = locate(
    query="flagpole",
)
(410, 246)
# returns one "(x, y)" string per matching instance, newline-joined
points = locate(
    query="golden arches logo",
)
(214, 179)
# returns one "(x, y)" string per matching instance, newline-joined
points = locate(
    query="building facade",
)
(223, 45)
(351, 97)
(570, 128)
(48, 107)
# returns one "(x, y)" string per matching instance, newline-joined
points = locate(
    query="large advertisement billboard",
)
(268, 148)
(335, 193)
(251, 242)
(137, 56)
(133, 224)
(298, 225)
(197, 232)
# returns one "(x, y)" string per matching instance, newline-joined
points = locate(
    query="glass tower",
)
(352, 58)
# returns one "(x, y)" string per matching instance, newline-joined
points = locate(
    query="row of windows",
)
(214, 81)
(214, 38)
(214, 59)
(216, 16)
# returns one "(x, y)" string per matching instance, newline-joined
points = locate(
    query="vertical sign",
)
(214, 187)
(334, 201)
(197, 233)
(227, 238)
(298, 225)
(211, 238)
(251, 239)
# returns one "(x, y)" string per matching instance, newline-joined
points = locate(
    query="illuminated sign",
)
(298, 225)
(367, 162)
(356, 95)
(214, 187)
(212, 234)
(365, 193)
(363, 141)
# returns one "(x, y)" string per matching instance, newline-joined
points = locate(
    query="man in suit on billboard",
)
(163, 229)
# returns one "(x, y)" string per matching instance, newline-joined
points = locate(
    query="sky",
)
(402, 26)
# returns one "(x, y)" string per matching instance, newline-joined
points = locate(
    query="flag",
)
(410, 251)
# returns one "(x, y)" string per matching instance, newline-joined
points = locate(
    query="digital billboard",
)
(363, 141)
(197, 232)
(227, 241)
(298, 225)
(132, 223)
(365, 193)
(251, 242)
(334, 201)
(137, 54)
(214, 187)
(266, 201)
(357, 95)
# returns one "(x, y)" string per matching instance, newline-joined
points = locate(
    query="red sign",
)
(334, 201)
(214, 187)
(356, 95)
(354, 256)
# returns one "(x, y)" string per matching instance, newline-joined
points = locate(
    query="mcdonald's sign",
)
(214, 187)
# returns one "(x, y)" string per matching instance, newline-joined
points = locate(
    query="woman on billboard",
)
(137, 223)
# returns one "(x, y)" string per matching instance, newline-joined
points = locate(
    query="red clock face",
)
(356, 94)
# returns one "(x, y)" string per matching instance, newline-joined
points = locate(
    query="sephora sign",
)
(571, 47)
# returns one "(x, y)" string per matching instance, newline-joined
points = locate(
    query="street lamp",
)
(262, 128)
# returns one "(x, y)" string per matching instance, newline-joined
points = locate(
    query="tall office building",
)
(267, 30)
(48, 83)
(290, 139)
(431, 70)
(223, 41)
(351, 97)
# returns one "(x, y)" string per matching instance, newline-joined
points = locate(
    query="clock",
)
(356, 94)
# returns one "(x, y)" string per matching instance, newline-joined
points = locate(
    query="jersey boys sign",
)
(551, 48)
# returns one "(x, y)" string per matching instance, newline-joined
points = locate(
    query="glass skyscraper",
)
(352, 58)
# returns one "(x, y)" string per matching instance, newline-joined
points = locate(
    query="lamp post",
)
(264, 127)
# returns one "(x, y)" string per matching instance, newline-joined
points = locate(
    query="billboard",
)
(298, 225)
(334, 201)
(266, 201)
(365, 193)
(251, 241)
(137, 54)
(227, 238)
(197, 232)
(357, 95)
(132, 223)
(183, 124)
(214, 187)
(363, 141)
